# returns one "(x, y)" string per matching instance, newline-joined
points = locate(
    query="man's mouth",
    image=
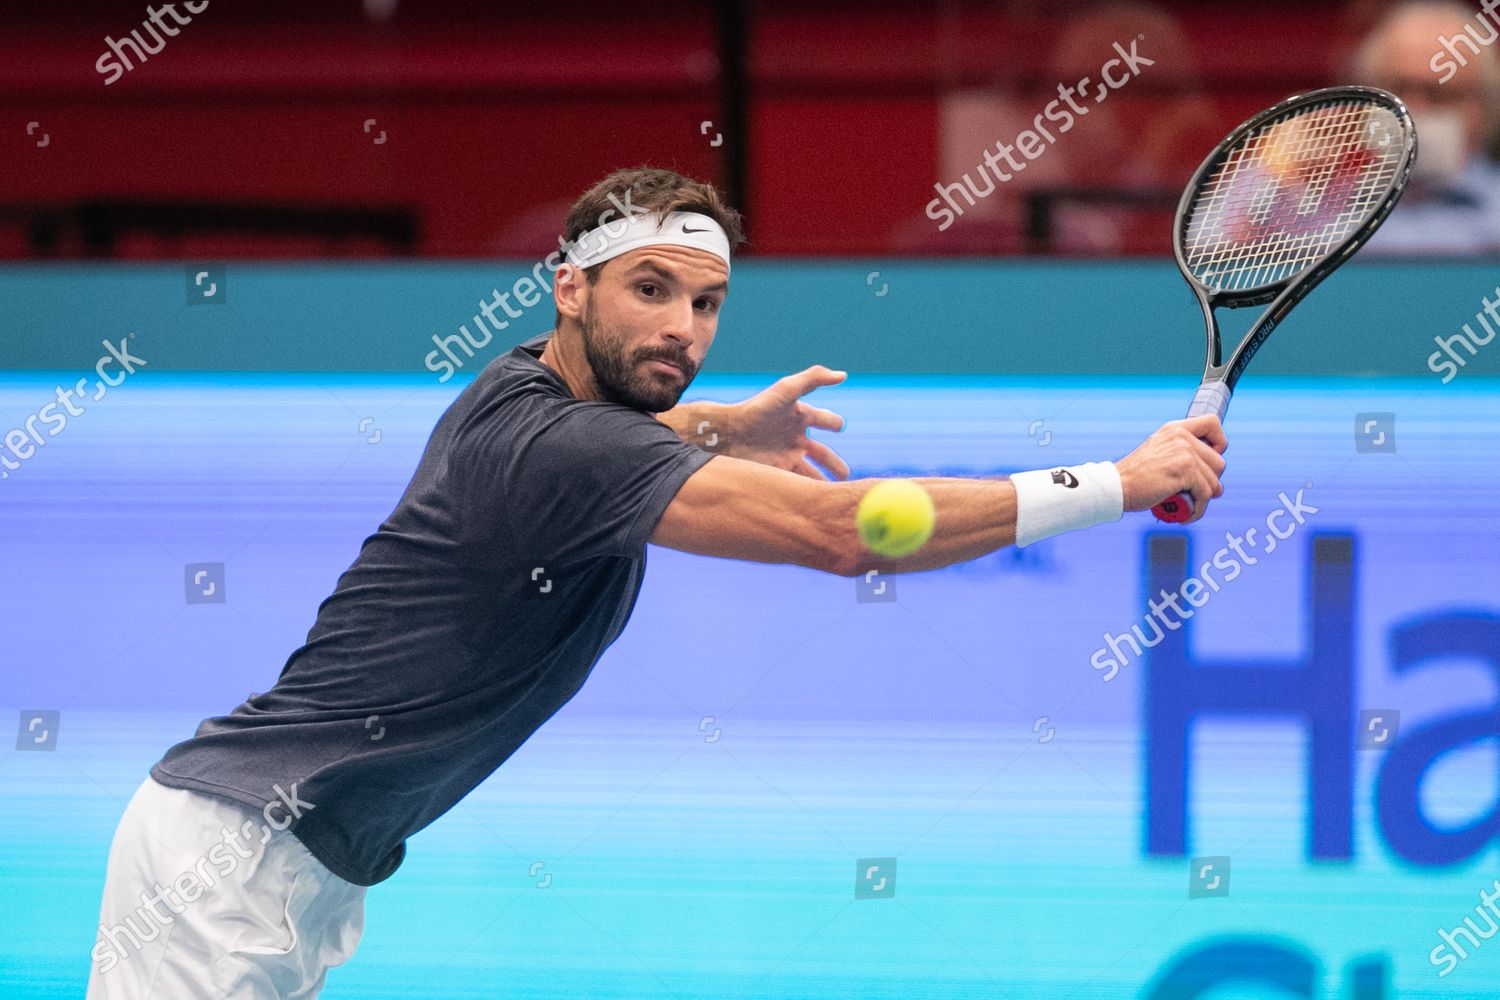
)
(669, 364)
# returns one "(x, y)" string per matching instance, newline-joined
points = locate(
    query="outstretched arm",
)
(739, 510)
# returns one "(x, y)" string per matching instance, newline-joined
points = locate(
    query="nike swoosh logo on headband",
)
(687, 230)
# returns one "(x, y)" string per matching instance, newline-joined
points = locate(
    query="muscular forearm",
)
(974, 517)
(696, 420)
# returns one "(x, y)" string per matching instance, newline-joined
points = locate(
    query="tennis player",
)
(510, 564)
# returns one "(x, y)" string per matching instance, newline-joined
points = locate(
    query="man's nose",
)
(679, 322)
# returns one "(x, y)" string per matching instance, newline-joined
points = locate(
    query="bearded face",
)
(629, 377)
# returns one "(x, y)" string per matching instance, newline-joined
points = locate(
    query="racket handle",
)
(1211, 397)
(1174, 510)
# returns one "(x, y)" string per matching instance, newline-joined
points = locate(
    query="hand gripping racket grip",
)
(1211, 397)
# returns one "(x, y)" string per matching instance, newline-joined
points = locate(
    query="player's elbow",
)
(844, 553)
(840, 564)
(858, 561)
(821, 547)
(815, 526)
(849, 556)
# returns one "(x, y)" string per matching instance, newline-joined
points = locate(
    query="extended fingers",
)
(811, 378)
(827, 458)
(816, 416)
(806, 468)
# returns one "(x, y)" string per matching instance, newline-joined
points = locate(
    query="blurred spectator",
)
(1135, 142)
(1440, 59)
(1135, 139)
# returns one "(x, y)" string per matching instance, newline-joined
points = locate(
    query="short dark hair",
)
(656, 190)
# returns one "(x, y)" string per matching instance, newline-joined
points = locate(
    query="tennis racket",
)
(1284, 200)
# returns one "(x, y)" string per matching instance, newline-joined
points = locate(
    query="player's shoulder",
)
(515, 380)
(530, 417)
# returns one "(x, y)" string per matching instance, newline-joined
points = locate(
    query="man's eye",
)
(708, 305)
(648, 289)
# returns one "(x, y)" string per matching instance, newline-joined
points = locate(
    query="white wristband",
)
(1051, 501)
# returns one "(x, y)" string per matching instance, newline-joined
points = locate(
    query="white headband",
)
(678, 229)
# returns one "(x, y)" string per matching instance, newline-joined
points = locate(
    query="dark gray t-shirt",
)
(468, 619)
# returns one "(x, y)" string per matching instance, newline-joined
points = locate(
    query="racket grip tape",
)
(1211, 397)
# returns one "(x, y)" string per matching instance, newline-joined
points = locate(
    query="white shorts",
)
(203, 899)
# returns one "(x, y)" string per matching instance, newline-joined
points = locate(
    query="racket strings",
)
(1290, 192)
(1268, 154)
(1257, 247)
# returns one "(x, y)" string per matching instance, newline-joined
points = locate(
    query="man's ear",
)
(568, 291)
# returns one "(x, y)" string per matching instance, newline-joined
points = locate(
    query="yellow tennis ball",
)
(895, 518)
